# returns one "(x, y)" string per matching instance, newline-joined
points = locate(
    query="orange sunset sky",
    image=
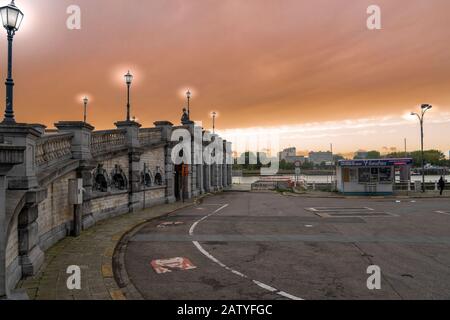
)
(308, 72)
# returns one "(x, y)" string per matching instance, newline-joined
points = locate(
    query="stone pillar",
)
(169, 171)
(200, 178)
(229, 164)
(220, 169)
(9, 157)
(81, 150)
(22, 176)
(134, 159)
(206, 168)
(196, 159)
(31, 255)
(207, 178)
(224, 165)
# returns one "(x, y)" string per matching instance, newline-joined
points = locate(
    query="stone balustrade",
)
(53, 148)
(107, 140)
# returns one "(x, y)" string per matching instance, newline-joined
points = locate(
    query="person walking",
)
(441, 184)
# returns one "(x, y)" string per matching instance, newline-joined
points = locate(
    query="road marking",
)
(444, 212)
(167, 265)
(170, 224)
(240, 274)
(347, 212)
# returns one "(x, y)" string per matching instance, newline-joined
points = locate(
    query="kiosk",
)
(372, 176)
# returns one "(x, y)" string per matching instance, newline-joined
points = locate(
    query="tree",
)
(433, 157)
(373, 154)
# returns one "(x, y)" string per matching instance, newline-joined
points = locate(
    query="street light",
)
(214, 115)
(85, 101)
(12, 18)
(188, 96)
(421, 116)
(128, 81)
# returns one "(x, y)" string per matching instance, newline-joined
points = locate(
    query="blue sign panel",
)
(375, 162)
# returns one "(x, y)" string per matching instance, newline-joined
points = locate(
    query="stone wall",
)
(55, 212)
(105, 206)
(12, 248)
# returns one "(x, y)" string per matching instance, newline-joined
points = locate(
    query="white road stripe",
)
(215, 260)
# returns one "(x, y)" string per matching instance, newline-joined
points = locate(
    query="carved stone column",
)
(134, 158)
(9, 157)
(23, 176)
(31, 255)
(169, 171)
(81, 150)
(229, 164)
(224, 165)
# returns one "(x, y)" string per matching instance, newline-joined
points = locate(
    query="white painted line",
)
(287, 295)
(265, 286)
(240, 274)
(443, 212)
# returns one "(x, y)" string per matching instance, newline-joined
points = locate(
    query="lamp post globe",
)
(128, 81)
(12, 18)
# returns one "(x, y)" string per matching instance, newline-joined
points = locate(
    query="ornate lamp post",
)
(188, 96)
(12, 18)
(128, 81)
(421, 116)
(85, 101)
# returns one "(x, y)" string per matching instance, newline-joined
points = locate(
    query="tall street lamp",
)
(421, 116)
(12, 18)
(85, 101)
(128, 81)
(188, 96)
(214, 115)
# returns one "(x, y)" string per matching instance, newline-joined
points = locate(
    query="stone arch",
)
(119, 179)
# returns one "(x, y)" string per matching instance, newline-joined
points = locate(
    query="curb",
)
(127, 291)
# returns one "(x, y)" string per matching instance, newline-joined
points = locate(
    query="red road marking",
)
(168, 265)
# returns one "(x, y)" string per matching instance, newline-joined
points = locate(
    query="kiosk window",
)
(374, 175)
(386, 174)
(364, 175)
(353, 175)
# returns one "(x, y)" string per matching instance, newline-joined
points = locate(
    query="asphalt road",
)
(268, 246)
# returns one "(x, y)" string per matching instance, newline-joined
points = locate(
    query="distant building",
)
(290, 156)
(320, 157)
(301, 159)
(289, 152)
